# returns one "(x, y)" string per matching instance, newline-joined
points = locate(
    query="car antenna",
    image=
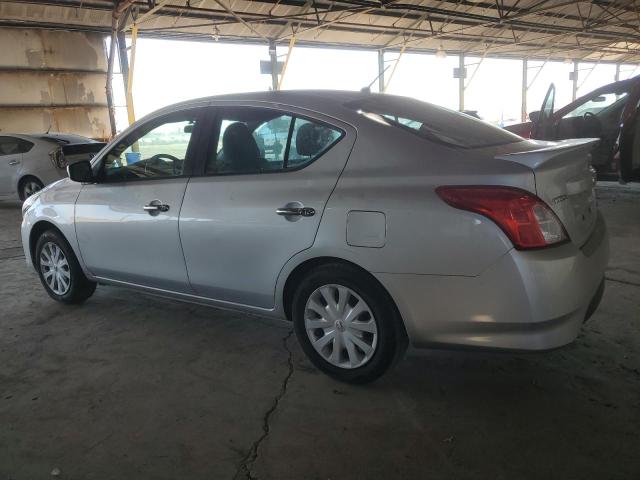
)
(367, 89)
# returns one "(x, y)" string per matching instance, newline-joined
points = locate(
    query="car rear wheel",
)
(347, 324)
(59, 270)
(29, 186)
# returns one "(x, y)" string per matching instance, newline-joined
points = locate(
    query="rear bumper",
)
(528, 300)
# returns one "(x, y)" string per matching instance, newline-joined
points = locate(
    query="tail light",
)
(57, 158)
(522, 216)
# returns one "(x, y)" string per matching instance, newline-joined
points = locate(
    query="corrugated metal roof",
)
(598, 30)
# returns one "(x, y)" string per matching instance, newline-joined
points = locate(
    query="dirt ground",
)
(130, 386)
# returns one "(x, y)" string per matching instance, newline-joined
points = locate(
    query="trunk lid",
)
(565, 181)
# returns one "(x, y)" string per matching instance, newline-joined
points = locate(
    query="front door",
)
(10, 158)
(127, 222)
(542, 127)
(596, 116)
(259, 199)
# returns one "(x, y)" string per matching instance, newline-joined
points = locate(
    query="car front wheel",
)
(347, 324)
(59, 270)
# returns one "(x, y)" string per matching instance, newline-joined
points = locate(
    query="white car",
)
(29, 162)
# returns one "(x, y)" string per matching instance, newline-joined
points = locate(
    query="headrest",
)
(311, 139)
(240, 148)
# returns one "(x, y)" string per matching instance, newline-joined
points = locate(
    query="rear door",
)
(259, 199)
(127, 222)
(10, 158)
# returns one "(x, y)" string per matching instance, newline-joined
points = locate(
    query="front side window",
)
(257, 140)
(156, 150)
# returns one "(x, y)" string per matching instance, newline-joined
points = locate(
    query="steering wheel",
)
(174, 160)
(592, 124)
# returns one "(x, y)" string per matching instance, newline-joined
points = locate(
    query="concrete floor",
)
(133, 387)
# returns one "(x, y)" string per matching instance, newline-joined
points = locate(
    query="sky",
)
(169, 71)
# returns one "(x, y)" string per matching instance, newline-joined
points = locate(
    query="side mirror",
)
(81, 172)
(534, 116)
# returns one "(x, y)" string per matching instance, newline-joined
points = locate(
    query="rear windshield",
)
(433, 123)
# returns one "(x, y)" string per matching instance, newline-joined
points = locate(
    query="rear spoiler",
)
(74, 152)
(550, 152)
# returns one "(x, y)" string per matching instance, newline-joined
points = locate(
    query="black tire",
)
(79, 286)
(32, 184)
(391, 336)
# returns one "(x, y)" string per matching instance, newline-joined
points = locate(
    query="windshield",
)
(600, 104)
(433, 123)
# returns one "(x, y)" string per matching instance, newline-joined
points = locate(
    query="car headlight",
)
(29, 201)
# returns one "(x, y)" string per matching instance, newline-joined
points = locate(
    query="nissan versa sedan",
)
(369, 221)
(29, 162)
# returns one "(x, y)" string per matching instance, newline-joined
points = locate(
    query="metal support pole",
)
(395, 65)
(461, 82)
(127, 69)
(574, 93)
(109, 84)
(617, 77)
(380, 71)
(525, 89)
(292, 42)
(274, 64)
(131, 116)
(122, 55)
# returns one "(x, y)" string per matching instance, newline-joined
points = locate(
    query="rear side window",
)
(24, 146)
(433, 123)
(258, 140)
(13, 146)
(309, 140)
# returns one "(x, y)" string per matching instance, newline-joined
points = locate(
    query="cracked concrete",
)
(131, 386)
(244, 469)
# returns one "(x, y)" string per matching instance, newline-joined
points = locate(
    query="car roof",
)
(329, 102)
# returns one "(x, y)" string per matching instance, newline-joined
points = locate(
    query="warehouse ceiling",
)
(599, 30)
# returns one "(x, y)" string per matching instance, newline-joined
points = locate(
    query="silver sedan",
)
(369, 221)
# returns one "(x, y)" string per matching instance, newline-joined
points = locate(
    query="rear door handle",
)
(14, 162)
(156, 206)
(296, 211)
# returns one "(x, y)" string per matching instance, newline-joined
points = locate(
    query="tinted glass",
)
(309, 140)
(24, 146)
(156, 150)
(598, 104)
(255, 140)
(9, 146)
(433, 123)
(548, 103)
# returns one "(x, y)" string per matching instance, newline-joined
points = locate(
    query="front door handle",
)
(296, 211)
(156, 206)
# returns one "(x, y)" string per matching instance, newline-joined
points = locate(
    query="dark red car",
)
(609, 113)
